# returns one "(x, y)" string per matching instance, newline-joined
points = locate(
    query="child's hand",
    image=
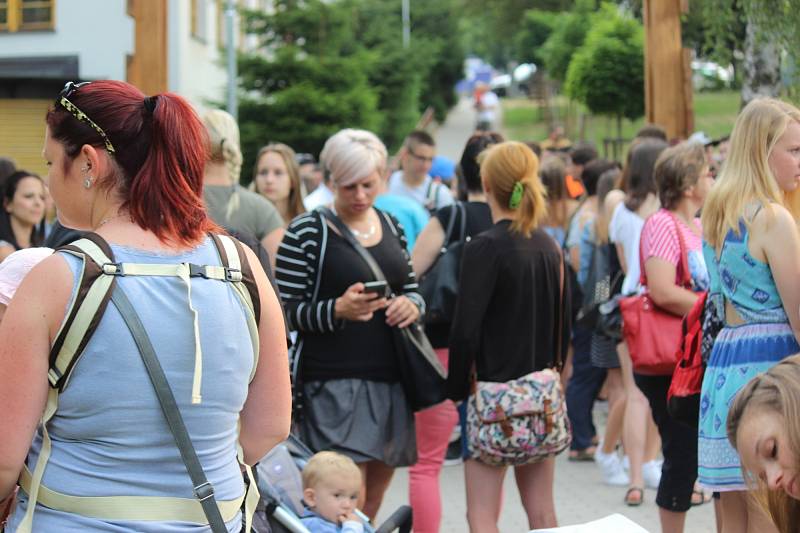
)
(349, 517)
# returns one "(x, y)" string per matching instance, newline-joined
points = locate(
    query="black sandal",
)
(634, 502)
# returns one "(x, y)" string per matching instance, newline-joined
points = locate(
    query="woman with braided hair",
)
(510, 306)
(229, 204)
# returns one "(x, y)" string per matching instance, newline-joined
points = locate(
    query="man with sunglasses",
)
(413, 179)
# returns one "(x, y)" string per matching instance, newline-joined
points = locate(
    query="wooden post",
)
(147, 67)
(668, 72)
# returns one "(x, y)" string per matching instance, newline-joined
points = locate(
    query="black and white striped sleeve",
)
(296, 272)
(410, 287)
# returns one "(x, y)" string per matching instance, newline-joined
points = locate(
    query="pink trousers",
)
(434, 428)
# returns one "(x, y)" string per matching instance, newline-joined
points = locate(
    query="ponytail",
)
(511, 170)
(166, 195)
(532, 208)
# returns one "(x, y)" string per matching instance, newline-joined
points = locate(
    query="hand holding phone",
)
(359, 302)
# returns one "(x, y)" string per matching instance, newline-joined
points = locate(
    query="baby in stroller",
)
(331, 483)
(284, 478)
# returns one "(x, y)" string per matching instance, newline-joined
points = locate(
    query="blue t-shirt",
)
(409, 213)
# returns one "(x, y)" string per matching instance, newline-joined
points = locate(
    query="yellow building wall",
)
(22, 132)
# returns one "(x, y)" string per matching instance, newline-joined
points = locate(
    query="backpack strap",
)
(232, 255)
(98, 273)
(85, 310)
(432, 195)
(97, 283)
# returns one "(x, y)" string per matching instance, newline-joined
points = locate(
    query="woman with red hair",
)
(130, 169)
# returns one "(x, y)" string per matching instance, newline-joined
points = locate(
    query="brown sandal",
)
(634, 501)
(587, 454)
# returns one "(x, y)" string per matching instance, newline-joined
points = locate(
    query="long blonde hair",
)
(777, 391)
(745, 176)
(502, 167)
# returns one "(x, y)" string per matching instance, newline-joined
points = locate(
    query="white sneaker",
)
(651, 472)
(626, 463)
(611, 469)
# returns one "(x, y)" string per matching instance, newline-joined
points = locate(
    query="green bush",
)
(607, 73)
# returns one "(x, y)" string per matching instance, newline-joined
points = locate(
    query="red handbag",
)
(683, 398)
(653, 334)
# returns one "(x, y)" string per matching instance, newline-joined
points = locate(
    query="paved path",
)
(579, 493)
(453, 134)
(580, 496)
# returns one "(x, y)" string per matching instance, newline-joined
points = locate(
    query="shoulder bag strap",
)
(203, 490)
(686, 276)
(463, 209)
(347, 235)
(559, 362)
(448, 232)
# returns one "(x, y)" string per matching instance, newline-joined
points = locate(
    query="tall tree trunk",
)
(762, 65)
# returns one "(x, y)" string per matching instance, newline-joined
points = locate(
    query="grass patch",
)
(523, 120)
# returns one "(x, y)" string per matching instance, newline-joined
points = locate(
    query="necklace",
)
(363, 235)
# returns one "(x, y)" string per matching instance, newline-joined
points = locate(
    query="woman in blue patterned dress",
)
(752, 249)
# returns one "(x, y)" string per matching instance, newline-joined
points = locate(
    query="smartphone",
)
(377, 287)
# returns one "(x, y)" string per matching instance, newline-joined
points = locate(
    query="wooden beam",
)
(147, 67)
(668, 81)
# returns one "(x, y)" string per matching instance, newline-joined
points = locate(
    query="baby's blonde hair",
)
(323, 465)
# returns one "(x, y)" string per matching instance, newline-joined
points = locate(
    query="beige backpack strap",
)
(232, 256)
(85, 309)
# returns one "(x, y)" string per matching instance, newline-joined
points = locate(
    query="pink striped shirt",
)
(660, 240)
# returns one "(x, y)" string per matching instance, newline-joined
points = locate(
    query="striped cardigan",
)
(298, 271)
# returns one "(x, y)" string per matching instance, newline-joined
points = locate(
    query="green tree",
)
(536, 27)
(327, 64)
(309, 81)
(607, 73)
(568, 35)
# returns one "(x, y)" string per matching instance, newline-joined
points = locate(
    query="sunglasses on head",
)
(63, 100)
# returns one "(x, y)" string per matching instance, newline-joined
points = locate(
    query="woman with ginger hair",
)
(129, 168)
(500, 329)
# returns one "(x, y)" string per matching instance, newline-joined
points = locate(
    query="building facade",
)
(158, 45)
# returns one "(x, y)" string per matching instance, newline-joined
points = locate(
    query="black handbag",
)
(421, 373)
(439, 286)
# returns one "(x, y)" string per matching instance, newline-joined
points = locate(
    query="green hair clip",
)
(516, 195)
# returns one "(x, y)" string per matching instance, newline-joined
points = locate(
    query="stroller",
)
(281, 487)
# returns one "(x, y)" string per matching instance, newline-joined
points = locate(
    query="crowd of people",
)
(295, 323)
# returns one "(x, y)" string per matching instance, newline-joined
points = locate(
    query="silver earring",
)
(87, 183)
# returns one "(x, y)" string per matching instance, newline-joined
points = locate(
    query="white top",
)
(441, 194)
(625, 228)
(322, 195)
(489, 103)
